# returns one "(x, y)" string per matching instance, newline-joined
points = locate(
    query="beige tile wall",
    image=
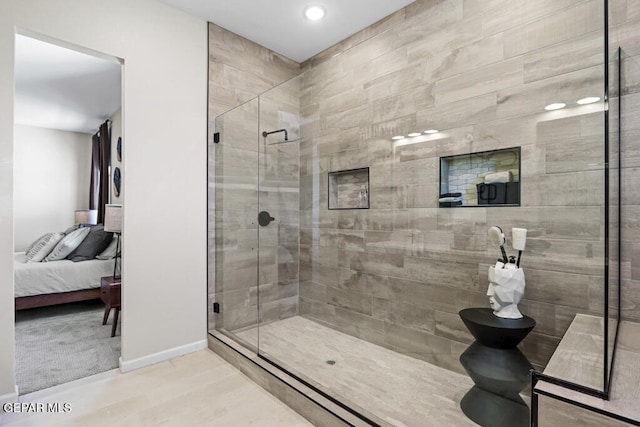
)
(481, 71)
(240, 70)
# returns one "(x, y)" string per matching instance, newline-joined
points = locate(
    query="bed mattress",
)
(38, 278)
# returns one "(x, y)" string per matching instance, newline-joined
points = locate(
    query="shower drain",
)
(331, 362)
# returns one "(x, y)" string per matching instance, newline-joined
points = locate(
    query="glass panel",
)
(584, 355)
(612, 310)
(234, 182)
(279, 189)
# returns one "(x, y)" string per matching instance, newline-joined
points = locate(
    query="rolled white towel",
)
(498, 177)
(449, 199)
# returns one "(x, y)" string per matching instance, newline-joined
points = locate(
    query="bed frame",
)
(23, 303)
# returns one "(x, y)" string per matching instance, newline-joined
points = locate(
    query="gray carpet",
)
(58, 344)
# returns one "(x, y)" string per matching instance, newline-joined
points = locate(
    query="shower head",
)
(285, 141)
(286, 134)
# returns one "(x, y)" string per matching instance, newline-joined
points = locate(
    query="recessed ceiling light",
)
(555, 106)
(397, 137)
(412, 134)
(314, 13)
(588, 100)
(429, 131)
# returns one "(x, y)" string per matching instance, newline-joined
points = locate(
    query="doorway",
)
(63, 94)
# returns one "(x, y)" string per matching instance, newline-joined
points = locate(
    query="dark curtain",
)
(94, 189)
(100, 161)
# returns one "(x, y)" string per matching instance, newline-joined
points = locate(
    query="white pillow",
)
(43, 246)
(110, 251)
(35, 242)
(68, 244)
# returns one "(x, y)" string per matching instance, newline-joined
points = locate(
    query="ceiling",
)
(63, 89)
(280, 25)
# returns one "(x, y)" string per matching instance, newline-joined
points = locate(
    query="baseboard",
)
(11, 397)
(152, 359)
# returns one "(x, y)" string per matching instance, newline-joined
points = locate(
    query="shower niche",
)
(349, 189)
(485, 178)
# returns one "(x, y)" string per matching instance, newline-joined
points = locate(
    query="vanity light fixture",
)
(555, 106)
(412, 134)
(314, 13)
(431, 131)
(588, 100)
(397, 137)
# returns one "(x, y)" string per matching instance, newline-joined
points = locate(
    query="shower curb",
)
(307, 402)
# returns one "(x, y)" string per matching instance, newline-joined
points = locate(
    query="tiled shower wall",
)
(240, 70)
(481, 72)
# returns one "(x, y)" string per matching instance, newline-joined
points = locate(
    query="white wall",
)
(52, 174)
(164, 165)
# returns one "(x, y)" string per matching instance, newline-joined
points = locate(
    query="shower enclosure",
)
(330, 255)
(256, 211)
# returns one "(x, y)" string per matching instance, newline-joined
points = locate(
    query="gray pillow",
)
(110, 251)
(68, 244)
(42, 247)
(96, 242)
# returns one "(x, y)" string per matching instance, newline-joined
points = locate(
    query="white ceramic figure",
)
(506, 288)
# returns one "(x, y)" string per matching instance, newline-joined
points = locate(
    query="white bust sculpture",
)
(506, 288)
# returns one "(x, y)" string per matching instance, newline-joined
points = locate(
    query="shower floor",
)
(396, 389)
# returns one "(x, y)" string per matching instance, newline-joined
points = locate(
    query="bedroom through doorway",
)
(68, 139)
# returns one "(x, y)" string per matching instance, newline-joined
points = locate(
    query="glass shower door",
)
(278, 209)
(278, 231)
(255, 188)
(233, 186)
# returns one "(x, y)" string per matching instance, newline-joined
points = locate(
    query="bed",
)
(39, 284)
(63, 267)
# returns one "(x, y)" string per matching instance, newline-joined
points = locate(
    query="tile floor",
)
(398, 389)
